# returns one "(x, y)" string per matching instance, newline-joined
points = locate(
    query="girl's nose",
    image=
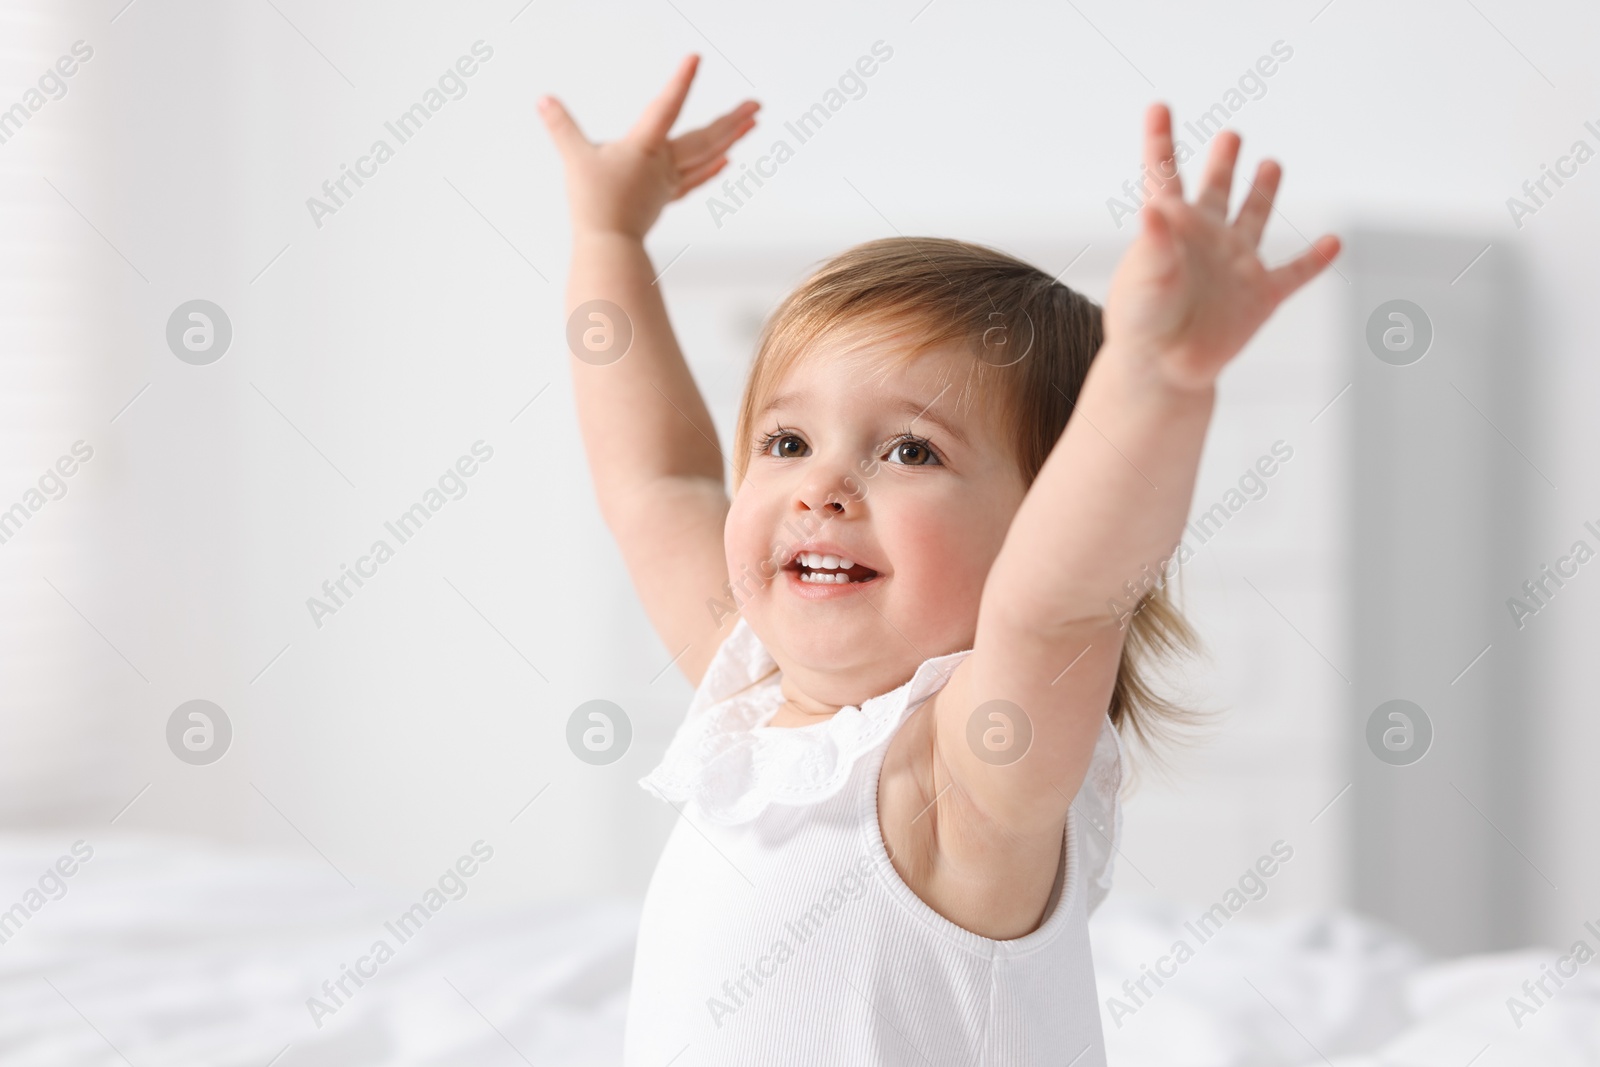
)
(831, 494)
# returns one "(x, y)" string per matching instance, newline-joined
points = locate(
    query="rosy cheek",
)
(922, 540)
(953, 541)
(735, 532)
(746, 533)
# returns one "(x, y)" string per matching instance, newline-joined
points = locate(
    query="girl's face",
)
(890, 478)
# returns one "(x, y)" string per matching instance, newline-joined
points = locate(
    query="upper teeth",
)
(818, 561)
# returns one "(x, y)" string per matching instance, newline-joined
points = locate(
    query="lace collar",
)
(731, 765)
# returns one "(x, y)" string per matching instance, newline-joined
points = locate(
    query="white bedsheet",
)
(177, 953)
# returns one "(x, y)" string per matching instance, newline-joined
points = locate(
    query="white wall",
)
(415, 321)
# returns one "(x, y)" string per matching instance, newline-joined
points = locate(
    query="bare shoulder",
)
(977, 786)
(986, 877)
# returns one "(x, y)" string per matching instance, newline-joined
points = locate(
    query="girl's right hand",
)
(621, 186)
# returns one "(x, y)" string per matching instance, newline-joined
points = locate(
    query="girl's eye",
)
(783, 446)
(913, 452)
(908, 451)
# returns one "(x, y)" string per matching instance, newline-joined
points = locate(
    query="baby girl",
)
(922, 617)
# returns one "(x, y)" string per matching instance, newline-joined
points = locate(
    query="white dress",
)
(776, 931)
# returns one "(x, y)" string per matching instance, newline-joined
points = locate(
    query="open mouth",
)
(815, 568)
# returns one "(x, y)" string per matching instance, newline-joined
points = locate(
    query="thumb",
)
(563, 130)
(1156, 226)
(1158, 230)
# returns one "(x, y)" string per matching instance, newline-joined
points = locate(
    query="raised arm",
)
(657, 470)
(1114, 493)
(1112, 498)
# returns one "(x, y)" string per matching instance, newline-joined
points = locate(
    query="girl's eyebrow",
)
(920, 411)
(903, 405)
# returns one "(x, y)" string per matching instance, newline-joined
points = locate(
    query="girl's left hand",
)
(1190, 291)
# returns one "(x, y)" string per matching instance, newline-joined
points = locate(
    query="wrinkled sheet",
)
(176, 953)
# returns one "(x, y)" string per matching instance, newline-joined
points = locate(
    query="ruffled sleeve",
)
(731, 766)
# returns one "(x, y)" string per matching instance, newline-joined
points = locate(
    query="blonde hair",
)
(1032, 341)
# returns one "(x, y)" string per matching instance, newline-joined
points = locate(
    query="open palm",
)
(1191, 289)
(622, 185)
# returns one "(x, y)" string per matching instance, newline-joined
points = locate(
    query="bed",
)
(177, 952)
